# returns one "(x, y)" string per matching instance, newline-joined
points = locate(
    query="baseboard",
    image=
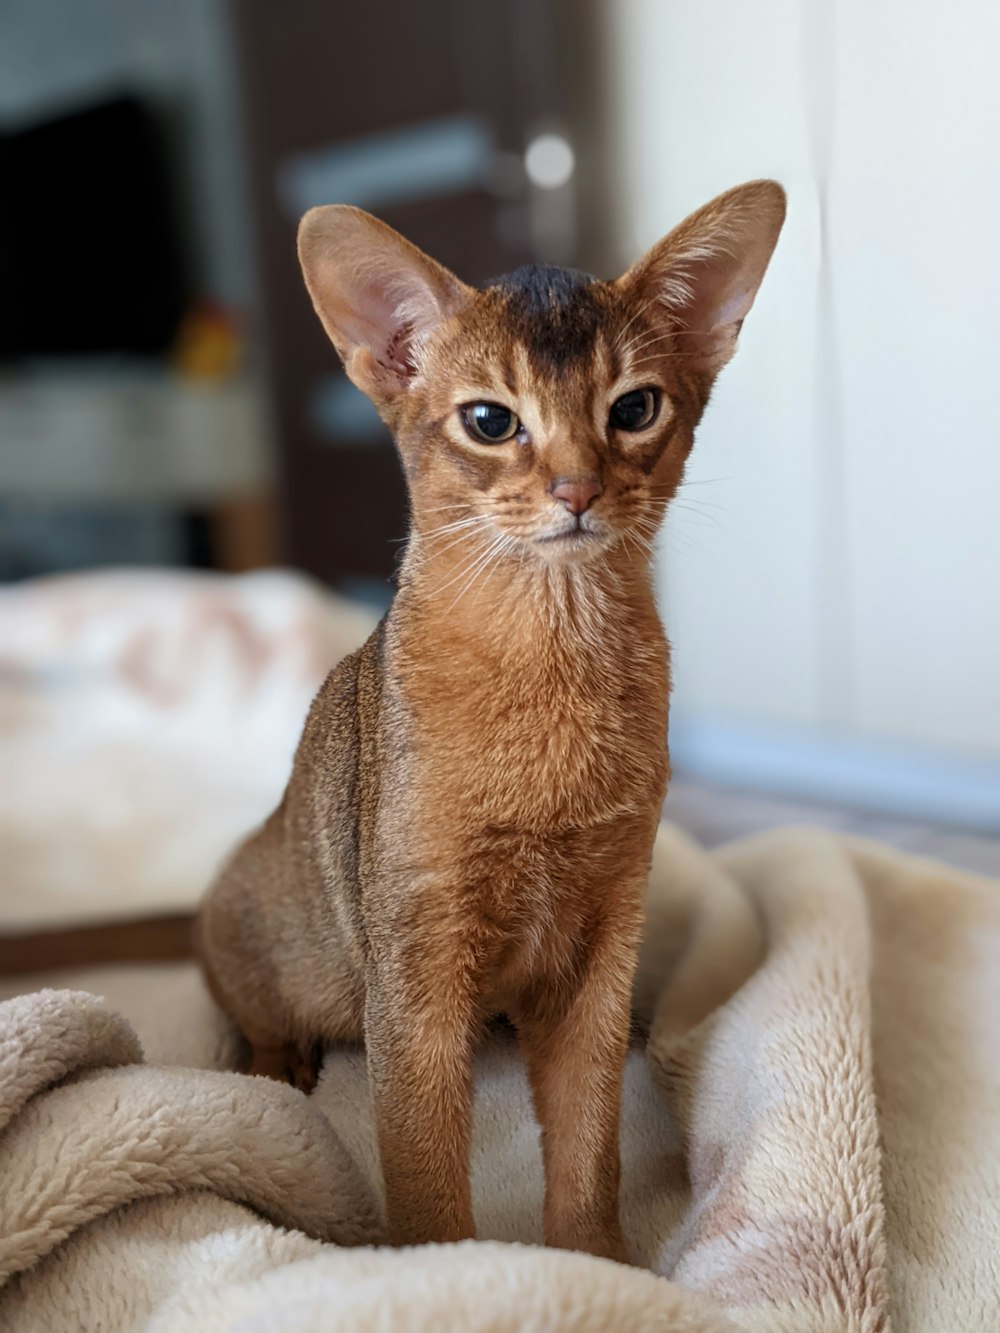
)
(895, 778)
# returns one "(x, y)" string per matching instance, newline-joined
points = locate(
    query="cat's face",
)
(548, 416)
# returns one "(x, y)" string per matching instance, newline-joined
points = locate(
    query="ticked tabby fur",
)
(470, 816)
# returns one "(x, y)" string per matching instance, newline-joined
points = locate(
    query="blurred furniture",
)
(71, 434)
(130, 429)
(115, 436)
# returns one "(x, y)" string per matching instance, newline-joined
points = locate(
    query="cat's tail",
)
(154, 939)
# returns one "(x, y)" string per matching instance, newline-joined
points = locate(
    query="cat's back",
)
(338, 755)
(282, 919)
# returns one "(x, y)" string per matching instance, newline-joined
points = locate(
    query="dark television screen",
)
(90, 255)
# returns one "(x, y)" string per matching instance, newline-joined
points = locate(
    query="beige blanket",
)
(811, 1138)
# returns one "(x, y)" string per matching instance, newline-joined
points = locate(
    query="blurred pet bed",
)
(147, 721)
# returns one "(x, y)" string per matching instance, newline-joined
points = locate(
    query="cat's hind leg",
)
(274, 1034)
(287, 991)
(266, 1051)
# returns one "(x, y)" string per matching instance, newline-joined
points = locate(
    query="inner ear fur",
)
(378, 296)
(702, 278)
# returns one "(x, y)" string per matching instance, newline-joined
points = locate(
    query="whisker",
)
(477, 555)
(456, 540)
(457, 524)
(674, 354)
(644, 540)
(638, 314)
(457, 531)
(484, 559)
(709, 519)
(647, 539)
(703, 504)
(652, 337)
(480, 553)
(491, 564)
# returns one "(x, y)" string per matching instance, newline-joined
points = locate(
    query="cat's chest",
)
(552, 743)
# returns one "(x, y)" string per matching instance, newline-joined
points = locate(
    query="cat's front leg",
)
(575, 1047)
(418, 1033)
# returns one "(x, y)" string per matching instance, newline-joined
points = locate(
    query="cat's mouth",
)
(570, 537)
(573, 538)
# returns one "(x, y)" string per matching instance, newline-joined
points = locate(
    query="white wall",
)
(852, 583)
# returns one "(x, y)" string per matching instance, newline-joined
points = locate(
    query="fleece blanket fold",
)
(810, 1134)
(89, 1129)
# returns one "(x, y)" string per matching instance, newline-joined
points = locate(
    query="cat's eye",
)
(489, 423)
(634, 410)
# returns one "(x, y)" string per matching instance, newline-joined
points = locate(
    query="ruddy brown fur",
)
(470, 816)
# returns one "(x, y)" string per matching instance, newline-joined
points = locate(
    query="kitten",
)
(469, 821)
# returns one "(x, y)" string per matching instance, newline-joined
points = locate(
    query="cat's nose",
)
(576, 493)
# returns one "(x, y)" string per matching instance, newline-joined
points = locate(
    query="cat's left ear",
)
(702, 278)
(378, 297)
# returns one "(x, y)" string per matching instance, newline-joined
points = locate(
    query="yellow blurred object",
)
(209, 345)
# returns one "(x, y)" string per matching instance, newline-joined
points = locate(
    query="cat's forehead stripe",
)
(553, 311)
(543, 286)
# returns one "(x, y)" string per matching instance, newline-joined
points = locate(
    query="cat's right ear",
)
(379, 297)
